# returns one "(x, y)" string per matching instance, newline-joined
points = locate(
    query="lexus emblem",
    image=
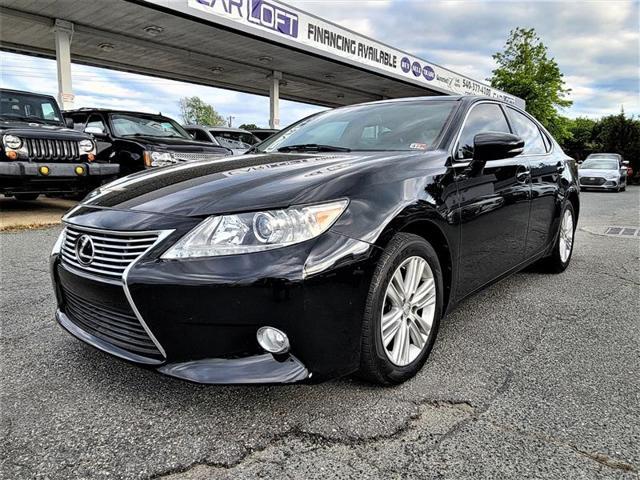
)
(84, 249)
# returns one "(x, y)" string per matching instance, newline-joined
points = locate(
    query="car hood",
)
(244, 183)
(591, 172)
(176, 144)
(39, 130)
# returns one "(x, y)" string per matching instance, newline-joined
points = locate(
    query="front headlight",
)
(612, 175)
(12, 141)
(85, 146)
(158, 159)
(257, 231)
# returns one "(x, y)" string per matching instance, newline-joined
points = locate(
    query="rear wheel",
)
(559, 260)
(26, 196)
(402, 312)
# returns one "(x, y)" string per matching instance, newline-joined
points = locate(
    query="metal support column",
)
(63, 31)
(274, 99)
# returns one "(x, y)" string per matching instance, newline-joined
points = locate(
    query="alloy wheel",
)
(566, 236)
(408, 311)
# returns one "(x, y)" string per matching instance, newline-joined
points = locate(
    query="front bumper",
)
(204, 313)
(253, 369)
(601, 183)
(21, 176)
(57, 170)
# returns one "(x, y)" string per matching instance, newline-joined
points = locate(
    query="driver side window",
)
(484, 117)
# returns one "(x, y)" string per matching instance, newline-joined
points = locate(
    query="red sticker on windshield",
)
(418, 146)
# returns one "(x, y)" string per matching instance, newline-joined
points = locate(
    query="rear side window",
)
(199, 135)
(484, 117)
(528, 131)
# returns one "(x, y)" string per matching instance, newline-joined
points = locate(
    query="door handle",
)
(523, 176)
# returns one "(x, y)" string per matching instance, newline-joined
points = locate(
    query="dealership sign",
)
(287, 25)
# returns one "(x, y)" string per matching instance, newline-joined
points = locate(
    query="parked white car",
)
(603, 171)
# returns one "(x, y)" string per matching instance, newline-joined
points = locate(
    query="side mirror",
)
(94, 131)
(489, 146)
(68, 122)
(625, 163)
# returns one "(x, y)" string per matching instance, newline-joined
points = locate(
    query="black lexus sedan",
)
(336, 248)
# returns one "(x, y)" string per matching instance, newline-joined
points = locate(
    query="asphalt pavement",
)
(536, 377)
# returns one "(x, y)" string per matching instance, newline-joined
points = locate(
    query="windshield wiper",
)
(313, 147)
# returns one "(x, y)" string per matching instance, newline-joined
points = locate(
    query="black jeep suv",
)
(137, 141)
(39, 154)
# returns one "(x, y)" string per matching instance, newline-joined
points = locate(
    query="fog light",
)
(44, 170)
(273, 340)
(79, 170)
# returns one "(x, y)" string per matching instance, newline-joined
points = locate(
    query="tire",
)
(624, 188)
(405, 251)
(24, 197)
(558, 261)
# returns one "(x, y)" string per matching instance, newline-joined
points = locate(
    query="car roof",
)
(109, 110)
(10, 90)
(467, 99)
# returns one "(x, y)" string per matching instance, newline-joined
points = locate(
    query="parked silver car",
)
(603, 171)
(237, 139)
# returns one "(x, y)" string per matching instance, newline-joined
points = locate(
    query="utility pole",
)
(230, 121)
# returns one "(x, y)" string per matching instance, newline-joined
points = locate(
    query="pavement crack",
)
(318, 440)
(618, 277)
(611, 462)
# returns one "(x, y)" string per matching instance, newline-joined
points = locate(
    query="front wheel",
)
(403, 310)
(559, 259)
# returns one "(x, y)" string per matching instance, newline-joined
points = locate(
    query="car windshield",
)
(234, 140)
(128, 125)
(600, 164)
(407, 125)
(29, 108)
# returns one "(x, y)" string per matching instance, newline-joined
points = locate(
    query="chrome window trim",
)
(452, 150)
(162, 234)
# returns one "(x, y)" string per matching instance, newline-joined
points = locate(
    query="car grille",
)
(595, 181)
(48, 149)
(113, 251)
(118, 327)
(194, 157)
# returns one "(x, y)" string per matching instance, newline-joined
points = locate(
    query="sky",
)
(596, 45)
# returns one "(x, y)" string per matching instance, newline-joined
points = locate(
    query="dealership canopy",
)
(257, 46)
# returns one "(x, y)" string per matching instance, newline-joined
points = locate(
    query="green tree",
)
(195, 111)
(249, 126)
(619, 134)
(580, 142)
(524, 70)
